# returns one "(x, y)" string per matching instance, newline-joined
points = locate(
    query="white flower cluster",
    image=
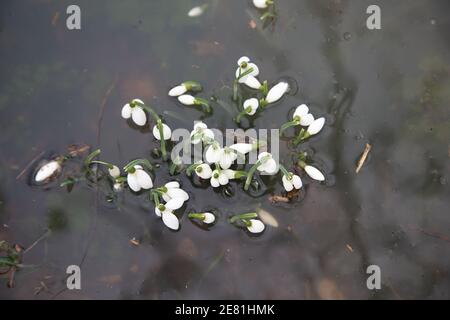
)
(174, 198)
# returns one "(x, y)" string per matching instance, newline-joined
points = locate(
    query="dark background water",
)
(389, 87)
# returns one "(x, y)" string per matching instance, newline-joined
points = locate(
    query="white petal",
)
(114, 172)
(227, 159)
(252, 82)
(209, 218)
(186, 99)
(170, 220)
(47, 170)
(133, 182)
(257, 226)
(144, 179)
(174, 204)
(271, 166)
(223, 179)
(138, 115)
(297, 181)
(177, 91)
(138, 101)
(166, 197)
(307, 120)
(200, 125)
(316, 126)
(166, 131)
(213, 154)
(263, 154)
(277, 91)
(242, 60)
(209, 134)
(255, 71)
(126, 111)
(260, 4)
(178, 194)
(301, 111)
(287, 184)
(195, 12)
(214, 182)
(172, 184)
(242, 147)
(229, 173)
(157, 212)
(314, 173)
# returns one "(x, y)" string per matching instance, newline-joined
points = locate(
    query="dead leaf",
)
(252, 24)
(268, 218)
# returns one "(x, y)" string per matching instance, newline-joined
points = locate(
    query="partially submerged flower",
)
(250, 106)
(134, 111)
(303, 116)
(205, 217)
(138, 179)
(255, 226)
(185, 87)
(291, 181)
(268, 164)
(214, 153)
(48, 170)
(197, 11)
(114, 171)
(245, 70)
(314, 173)
(316, 126)
(167, 132)
(203, 171)
(170, 220)
(219, 178)
(276, 92)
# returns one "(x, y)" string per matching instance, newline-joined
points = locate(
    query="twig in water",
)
(363, 157)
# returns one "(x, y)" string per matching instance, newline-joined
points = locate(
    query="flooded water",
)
(388, 87)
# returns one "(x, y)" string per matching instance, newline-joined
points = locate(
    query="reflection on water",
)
(387, 87)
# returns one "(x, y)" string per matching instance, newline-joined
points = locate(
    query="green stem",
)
(289, 124)
(243, 216)
(204, 103)
(109, 165)
(239, 116)
(193, 215)
(161, 135)
(133, 163)
(155, 199)
(91, 156)
(252, 170)
(284, 171)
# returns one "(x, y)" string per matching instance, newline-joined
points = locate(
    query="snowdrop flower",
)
(205, 217)
(167, 132)
(242, 148)
(134, 111)
(48, 170)
(114, 171)
(268, 164)
(250, 106)
(117, 187)
(302, 115)
(261, 4)
(219, 178)
(255, 226)
(203, 171)
(201, 133)
(196, 11)
(276, 92)
(227, 158)
(314, 173)
(185, 87)
(187, 99)
(244, 65)
(213, 153)
(172, 190)
(291, 181)
(168, 217)
(138, 179)
(315, 127)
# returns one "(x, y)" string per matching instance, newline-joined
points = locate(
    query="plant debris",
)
(363, 157)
